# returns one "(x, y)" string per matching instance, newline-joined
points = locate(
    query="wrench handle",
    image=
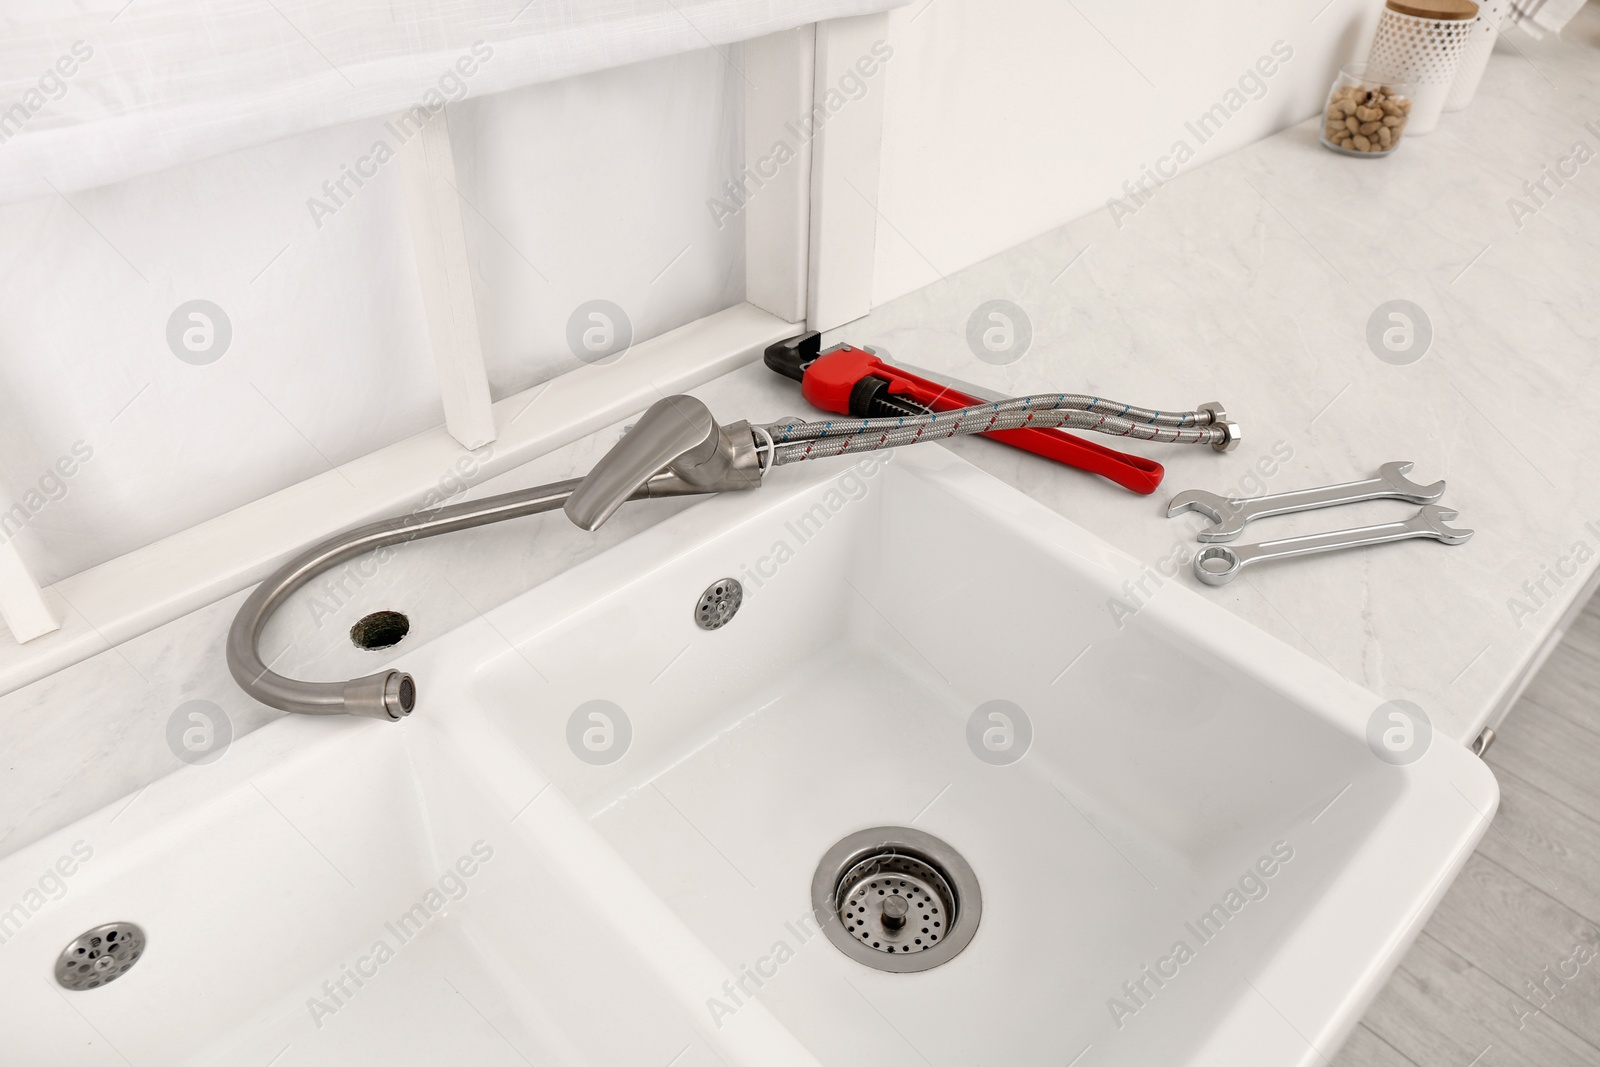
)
(1230, 515)
(1310, 544)
(1327, 496)
(1241, 511)
(1236, 559)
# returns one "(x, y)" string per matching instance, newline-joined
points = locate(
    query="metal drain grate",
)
(897, 899)
(99, 956)
(718, 603)
(895, 904)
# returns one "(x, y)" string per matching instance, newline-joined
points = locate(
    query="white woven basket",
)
(1423, 53)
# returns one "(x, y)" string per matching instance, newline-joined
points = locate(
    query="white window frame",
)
(809, 235)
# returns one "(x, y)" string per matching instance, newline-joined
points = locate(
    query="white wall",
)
(1007, 118)
(596, 188)
(1003, 118)
(581, 189)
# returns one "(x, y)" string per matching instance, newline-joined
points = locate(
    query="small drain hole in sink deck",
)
(100, 956)
(381, 629)
(718, 604)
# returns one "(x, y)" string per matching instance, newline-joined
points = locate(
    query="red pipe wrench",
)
(852, 381)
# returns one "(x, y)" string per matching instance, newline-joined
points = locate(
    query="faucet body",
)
(676, 435)
(677, 449)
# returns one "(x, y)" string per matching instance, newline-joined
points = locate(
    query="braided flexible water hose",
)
(799, 440)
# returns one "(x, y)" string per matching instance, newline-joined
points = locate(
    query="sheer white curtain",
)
(99, 91)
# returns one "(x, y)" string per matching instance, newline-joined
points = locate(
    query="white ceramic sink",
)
(648, 895)
(264, 882)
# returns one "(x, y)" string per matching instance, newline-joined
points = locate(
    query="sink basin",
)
(326, 894)
(1187, 850)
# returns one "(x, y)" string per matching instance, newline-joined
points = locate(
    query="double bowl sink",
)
(596, 840)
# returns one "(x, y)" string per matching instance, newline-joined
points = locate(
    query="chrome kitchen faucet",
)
(676, 449)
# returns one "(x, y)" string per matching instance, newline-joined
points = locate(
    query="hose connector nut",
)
(1232, 432)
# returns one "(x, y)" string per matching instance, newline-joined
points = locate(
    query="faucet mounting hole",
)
(381, 629)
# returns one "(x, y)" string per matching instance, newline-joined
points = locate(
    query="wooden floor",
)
(1467, 995)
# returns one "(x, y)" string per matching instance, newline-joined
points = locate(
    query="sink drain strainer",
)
(99, 956)
(896, 899)
(718, 603)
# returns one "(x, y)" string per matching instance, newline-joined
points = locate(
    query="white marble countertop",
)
(1249, 280)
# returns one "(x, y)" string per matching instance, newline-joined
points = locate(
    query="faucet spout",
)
(675, 435)
(677, 449)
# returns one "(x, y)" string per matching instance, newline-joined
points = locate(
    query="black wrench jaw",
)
(792, 355)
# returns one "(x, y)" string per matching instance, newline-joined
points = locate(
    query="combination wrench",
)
(1229, 561)
(1230, 514)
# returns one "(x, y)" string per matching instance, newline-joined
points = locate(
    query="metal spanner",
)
(1232, 513)
(1429, 522)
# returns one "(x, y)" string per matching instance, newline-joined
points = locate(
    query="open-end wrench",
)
(1228, 561)
(1231, 513)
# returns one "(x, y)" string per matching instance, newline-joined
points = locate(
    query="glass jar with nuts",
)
(1365, 114)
